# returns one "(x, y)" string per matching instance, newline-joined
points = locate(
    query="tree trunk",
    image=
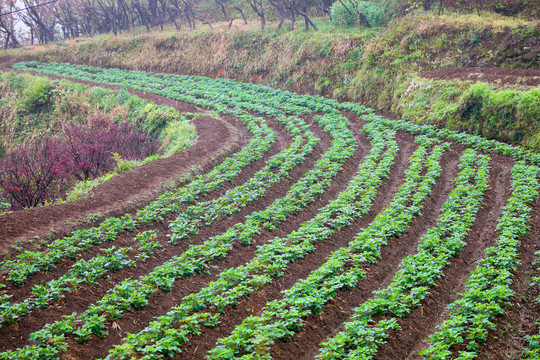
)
(223, 10)
(241, 14)
(281, 12)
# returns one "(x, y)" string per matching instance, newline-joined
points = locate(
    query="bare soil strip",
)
(160, 304)
(508, 340)
(305, 344)
(119, 194)
(199, 345)
(416, 328)
(80, 301)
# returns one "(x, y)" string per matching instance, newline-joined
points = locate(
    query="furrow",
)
(305, 344)
(280, 319)
(199, 345)
(374, 318)
(420, 323)
(95, 292)
(136, 321)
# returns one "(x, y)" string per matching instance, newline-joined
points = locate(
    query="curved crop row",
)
(364, 335)
(30, 262)
(533, 341)
(474, 141)
(343, 269)
(487, 291)
(224, 95)
(83, 272)
(276, 170)
(135, 293)
(472, 316)
(168, 333)
(176, 85)
(171, 201)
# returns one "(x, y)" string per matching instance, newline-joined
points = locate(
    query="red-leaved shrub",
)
(92, 147)
(32, 176)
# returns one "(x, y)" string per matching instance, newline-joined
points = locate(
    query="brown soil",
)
(161, 302)
(508, 340)
(126, 239)
(305, 344)
(417, 326)
(124, 192)
(529, 77)
(199, 345)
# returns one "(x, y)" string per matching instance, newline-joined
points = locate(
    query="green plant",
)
(373, 319)
(83, 188)
(4, 206)
(184, 213)
(177, 135)
(95, 217)
(36, 95)
(487, 291)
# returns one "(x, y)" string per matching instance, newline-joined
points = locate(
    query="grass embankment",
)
(381, 68)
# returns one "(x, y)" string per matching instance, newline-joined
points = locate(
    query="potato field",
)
(333, 233)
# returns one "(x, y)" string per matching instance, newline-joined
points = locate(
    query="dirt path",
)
(527, 77)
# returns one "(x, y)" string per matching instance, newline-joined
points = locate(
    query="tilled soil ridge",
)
(129, 191)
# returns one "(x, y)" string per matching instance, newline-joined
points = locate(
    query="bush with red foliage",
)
(31, 176)
(92, 147)
(44, 172)
(88, 151)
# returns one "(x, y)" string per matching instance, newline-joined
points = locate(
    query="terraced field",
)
(332, 233)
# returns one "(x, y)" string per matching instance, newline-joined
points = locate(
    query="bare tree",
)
(300, 7)
(7, 24)
(223, 10)
(302, 10)
(241, 14)
(46, 20)
(281, 9)
(66, 16)
(326, 9)
(258, 7)
(143, 13)
(40, 20)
